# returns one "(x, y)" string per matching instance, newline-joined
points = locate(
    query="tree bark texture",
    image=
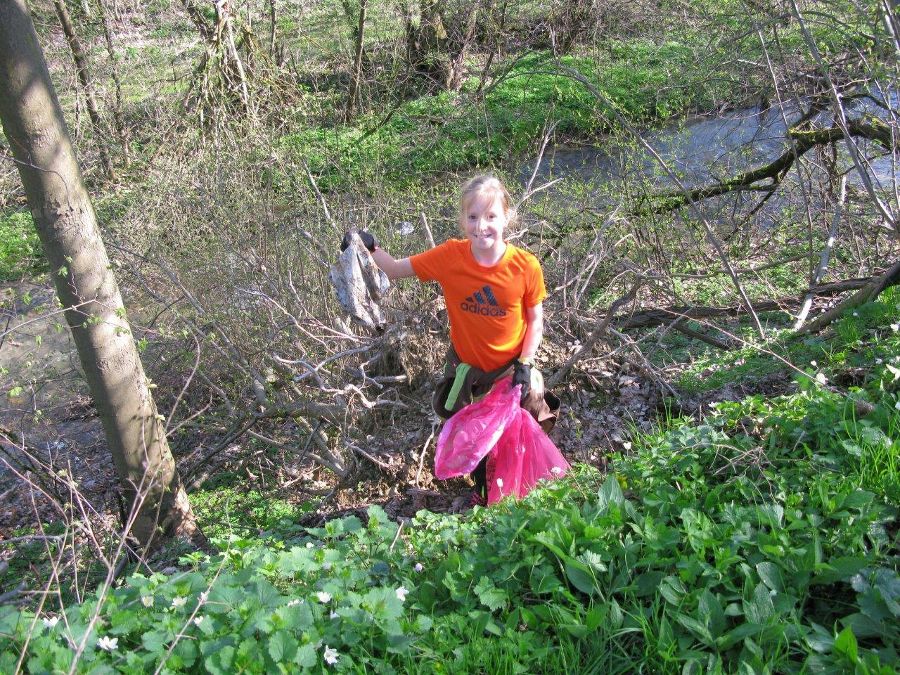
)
(64, 217)
(358, 36)
(84, 76)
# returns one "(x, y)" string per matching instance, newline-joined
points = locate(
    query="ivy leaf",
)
(648, 583)
(219, 662)
(770, 574)
(154, 641)
(760, 609)
(698, 629)
(672, 589)
(580, 576)
(186, 650)
(857, 500)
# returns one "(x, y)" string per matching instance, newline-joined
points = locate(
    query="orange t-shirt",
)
(486, 305)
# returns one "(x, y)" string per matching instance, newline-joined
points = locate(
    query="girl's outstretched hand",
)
(368, 241)
(522, 375)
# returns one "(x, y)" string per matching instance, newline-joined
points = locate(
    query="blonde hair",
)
(486, 184)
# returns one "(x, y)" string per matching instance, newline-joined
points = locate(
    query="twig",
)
(397, 536)
(362, 453)
(598, 332)
(697, 335)
(823, 258)
(434, 426)
(428, 233)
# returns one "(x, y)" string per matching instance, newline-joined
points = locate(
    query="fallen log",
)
(662, 315)
(867, 292)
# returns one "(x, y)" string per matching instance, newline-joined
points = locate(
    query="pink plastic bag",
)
(472, 433)
(523, 456)
(521, 453)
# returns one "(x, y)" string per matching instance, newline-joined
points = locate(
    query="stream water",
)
(703, 150)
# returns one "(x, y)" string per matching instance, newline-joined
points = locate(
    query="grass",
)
(435, 134)
(224, 508)
(20, 249)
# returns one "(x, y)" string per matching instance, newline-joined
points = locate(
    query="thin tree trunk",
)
(823, 258)
(84, 77)
(457, 61)
(357, 61)
(66, 223)
(118, 117)
(272, 29)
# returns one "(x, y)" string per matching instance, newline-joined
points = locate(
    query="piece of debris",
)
(360, 285)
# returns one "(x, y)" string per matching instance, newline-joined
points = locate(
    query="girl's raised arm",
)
(395, 269)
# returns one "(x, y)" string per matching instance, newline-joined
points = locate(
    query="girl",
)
(494, 293)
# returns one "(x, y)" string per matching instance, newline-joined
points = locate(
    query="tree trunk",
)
(64, 217)
(118, 116)
(357, 61)
(84, 77)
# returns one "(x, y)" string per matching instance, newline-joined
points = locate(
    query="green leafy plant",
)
(20, 249)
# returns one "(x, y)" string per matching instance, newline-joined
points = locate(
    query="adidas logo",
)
(483, 303)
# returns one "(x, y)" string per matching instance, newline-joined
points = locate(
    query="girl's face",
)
(483, 221)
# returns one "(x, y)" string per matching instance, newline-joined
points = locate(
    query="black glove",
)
(368, 241)
(522, 375)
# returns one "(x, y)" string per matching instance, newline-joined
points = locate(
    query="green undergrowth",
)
(20, 250)
(761, 540)
(860, 350)
(227, 509)
(448, 132)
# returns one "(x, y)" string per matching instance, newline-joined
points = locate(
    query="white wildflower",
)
(179, 602)
(556, 470)
(500, 483)
(402, 593)
(203, 596)
(855, 313)
(107, 643)
(294, 602)
(418, 567)
(51, 621)
(198, 620)
(333, 615)
(309, 544)
(323, 596)
(330, 655)
(627, 445)
(821, 379)
(895, 327)
(813, 363)
(147, 600)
